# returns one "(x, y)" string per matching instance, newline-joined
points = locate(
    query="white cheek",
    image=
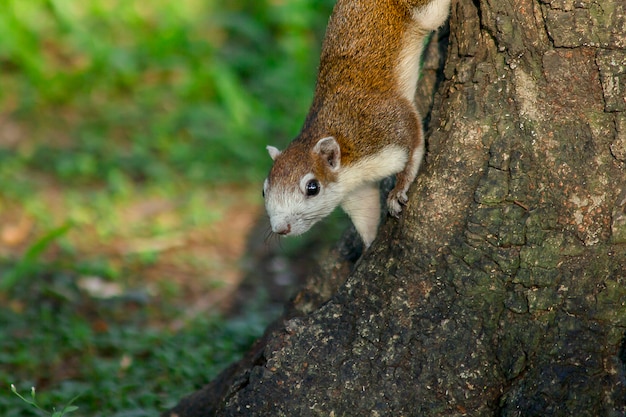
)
(294, 212)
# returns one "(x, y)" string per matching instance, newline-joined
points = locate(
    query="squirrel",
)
(363, 124)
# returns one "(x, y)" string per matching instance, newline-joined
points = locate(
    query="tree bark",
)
(502, 288)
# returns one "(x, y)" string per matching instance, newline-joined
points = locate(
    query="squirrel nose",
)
(283, 229)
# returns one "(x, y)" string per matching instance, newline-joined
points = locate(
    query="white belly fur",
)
(391, 160)
(425, 19)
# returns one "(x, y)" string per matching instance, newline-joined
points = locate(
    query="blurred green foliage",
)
(153, 91)
(109, 352)
(100, 100)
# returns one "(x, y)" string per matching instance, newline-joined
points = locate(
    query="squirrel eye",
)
(312, 188)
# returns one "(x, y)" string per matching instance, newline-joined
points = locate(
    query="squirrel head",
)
(302, 186)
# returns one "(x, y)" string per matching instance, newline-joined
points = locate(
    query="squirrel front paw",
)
(395, 201)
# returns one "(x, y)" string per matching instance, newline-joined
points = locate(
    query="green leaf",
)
(25, 265)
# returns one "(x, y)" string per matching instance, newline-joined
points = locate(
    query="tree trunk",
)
(502, 288)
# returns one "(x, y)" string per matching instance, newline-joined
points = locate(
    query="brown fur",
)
(364, 100)
(356, 100)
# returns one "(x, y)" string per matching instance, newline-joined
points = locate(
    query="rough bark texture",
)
(502, 289)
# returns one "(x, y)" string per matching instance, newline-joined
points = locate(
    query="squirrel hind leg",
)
(398, 197)
(363, 207)
(432, 15)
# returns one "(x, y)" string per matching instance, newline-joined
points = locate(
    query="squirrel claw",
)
(395, 201)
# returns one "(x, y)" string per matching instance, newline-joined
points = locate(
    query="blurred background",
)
(132, 153)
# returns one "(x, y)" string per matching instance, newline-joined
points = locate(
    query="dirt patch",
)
(151, 243)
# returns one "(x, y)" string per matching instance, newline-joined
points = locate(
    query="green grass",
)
(110, 109)
(109, 353)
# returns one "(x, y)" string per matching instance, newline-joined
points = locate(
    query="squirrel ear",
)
(273, 151)
(328, 149)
